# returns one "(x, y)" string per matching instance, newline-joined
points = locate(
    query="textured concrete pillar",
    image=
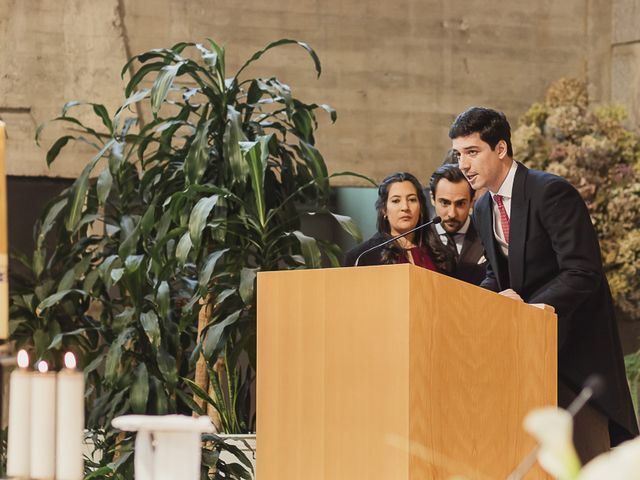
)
(625, 57)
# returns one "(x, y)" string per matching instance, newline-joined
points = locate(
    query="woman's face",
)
(403, 207)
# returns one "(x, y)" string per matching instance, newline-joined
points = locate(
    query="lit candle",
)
(70, 418)
(19, 418)
(43, 423)
(4, 245)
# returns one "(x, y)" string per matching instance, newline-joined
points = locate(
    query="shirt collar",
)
(506, 189)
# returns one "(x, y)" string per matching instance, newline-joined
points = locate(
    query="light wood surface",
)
(395, 372)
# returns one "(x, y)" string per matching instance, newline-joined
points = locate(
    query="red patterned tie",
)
(504, 218)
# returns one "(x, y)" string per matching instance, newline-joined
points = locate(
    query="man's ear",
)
(433, 200)
(501, 149)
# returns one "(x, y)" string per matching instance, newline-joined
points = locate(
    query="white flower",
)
(553, 428)
(621, 463)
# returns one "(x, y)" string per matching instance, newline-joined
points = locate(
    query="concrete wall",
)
(625, 56)
(397, 72)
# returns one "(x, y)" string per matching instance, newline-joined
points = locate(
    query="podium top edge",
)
(327, 269)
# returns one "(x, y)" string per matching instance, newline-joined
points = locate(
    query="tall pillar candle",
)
(70, 421)
(4, 244)
(19, 419)
(43, 423)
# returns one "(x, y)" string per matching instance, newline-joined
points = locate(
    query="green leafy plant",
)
(168, 224)
(593, 149)
(632, 365)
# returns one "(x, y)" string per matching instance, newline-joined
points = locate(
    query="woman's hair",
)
(423, 238)
(420, 237)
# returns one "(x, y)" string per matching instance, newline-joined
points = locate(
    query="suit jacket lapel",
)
(518, 228)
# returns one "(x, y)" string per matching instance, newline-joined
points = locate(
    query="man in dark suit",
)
(542, 248)
(455, 236)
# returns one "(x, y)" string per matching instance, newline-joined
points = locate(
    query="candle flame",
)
(70, 360)
(23, 359)
(43, 367)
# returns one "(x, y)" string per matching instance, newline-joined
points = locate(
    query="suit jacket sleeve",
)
(566, 221)
(490, 282)
(350, 258)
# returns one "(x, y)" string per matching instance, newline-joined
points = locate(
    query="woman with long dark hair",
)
(401, 206)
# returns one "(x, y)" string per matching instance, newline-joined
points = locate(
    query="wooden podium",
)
(396, 372)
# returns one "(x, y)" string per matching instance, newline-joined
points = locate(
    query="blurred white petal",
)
(553, 428)
(621, 463)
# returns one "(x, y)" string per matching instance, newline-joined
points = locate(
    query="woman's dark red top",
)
(420, 257)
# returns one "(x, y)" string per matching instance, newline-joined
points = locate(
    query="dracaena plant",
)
(183, 213)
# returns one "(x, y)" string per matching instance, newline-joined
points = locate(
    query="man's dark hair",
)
(450, 158)
(449, 172)
(490, 124)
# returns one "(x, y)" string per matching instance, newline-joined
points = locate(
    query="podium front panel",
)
(395, 372)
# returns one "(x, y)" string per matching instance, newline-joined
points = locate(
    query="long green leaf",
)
(114, 356)
(167, 54)
(139, 393)
(183, 248)
(49, 222)
(129, 244)
(131, 99)
(354, 174)
(209, 264)
(53, 152)
(57, 340)
(163, 299)
(284, 41)
(315, 161)
(102, 112)
(257, 156)
(303, 122)
(151, 326)
(79, 190)
(349, 226)
(212, 342)
(310, 250)
(161, 86)
(141, 73)
(167, 366)
(198, 156)
(105, 181)
(69, 105)
(198, 391)
(132, 263)
(233, 135)
(55, 298)
(247, 282)
(198, 218)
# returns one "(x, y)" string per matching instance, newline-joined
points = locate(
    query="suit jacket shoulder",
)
(371, 258)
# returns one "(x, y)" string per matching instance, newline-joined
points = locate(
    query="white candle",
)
(70, 418)
(43, 424)
(19, 418)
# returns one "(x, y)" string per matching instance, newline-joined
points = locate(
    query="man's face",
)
(483, 166)
(452, 202)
